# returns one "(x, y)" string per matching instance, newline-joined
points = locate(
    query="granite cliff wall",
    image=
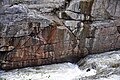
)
(37, 32)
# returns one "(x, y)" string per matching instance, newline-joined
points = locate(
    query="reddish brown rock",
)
(32, 36)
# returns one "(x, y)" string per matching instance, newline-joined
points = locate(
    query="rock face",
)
(37, 32)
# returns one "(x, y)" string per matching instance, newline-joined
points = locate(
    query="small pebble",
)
(88, 70)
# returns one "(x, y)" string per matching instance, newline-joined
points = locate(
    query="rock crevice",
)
(38, 32)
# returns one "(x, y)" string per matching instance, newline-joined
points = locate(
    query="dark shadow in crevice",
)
(118, 29)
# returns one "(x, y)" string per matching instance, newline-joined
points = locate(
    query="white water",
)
(105, 67)
(112, 77)
(64, 71)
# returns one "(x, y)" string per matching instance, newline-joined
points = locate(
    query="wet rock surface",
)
(106, 65)
(37, 32)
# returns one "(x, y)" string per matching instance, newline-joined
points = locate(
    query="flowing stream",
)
(104, 66)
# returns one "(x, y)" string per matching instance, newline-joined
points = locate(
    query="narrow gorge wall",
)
(37, 32)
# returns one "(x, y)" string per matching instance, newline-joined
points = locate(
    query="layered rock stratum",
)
(37, 32)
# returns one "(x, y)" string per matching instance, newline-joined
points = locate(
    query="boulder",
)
(38, 32)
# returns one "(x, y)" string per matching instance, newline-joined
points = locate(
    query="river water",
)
(104, 66)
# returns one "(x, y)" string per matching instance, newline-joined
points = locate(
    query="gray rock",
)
(106, 9)
(50, 31)
(74, 6)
